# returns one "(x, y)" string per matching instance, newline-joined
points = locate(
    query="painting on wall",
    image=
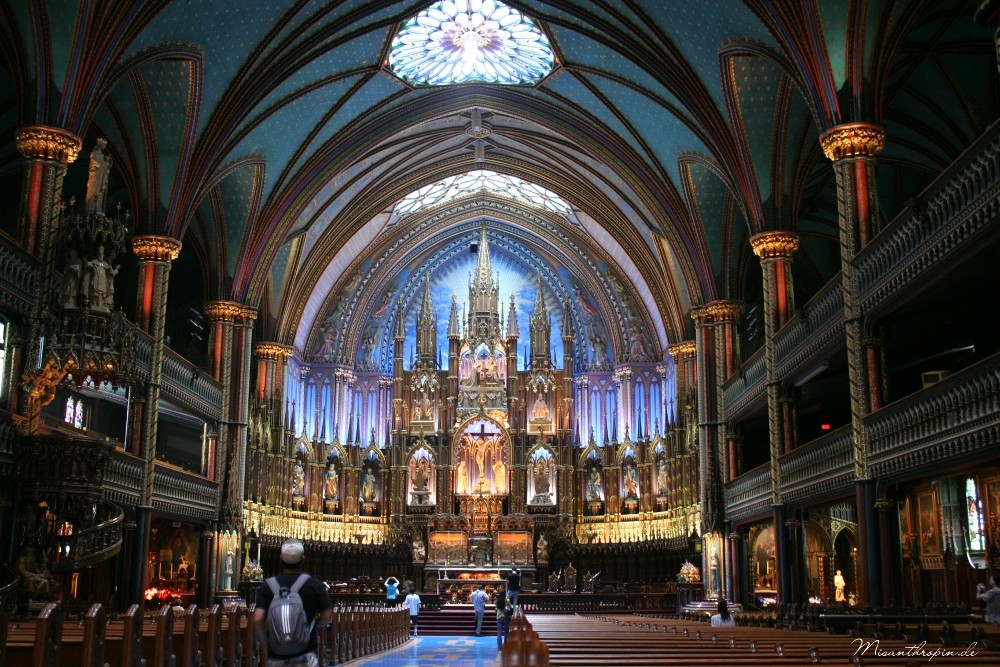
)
(930, 540)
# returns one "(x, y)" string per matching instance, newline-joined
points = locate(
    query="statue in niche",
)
(500, 476)
(331, 489)
(631, 482)
(542, 549)
(462, 478)
(368, 486)
(421, 475)
(540, 410)
(368, 350)
(540, 471)
(419, 552)
(97, 179)
(228, 572)
(416, 413)
(298, 479)
(99, 280)
(661, 475)
(426, 407)
(594, 484)
(72, 275)
(600, 350)
(332, 320)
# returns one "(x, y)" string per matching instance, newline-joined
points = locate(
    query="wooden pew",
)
(131, 642)
(95, 628)
(48, 636)
(213, 654)
(163, 654)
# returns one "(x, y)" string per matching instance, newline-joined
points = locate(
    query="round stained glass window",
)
(470, 41)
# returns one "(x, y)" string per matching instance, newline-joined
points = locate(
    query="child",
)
(504, 612)
(412, 603)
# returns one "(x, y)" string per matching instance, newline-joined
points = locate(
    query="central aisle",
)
(437, 652)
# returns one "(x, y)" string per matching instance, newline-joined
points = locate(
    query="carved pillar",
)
(725, 319)
(48, 150)
(852, 148)
(155, 253)
(775, 250)
(270, 358)
(875, 367)
(706, 361)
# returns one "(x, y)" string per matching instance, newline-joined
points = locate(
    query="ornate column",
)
(706, 405)
(270, 361)
(48, 150)
(775, 250)
(155, 255)
(852, 147)
(725, 316)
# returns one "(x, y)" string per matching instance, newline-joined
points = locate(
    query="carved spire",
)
(453, 331)
(512, 330)
(426, 329)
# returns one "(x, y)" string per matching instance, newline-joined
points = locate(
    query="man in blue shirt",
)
(479, 599)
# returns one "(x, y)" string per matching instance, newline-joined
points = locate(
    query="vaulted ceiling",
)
(272, 140)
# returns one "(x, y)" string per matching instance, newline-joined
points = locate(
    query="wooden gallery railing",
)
(194, 638)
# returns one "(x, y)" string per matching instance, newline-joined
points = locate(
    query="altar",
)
(455, 584)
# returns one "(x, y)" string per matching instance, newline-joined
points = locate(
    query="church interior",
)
(672, 301)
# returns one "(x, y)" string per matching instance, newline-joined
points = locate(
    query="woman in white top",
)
(723, 619)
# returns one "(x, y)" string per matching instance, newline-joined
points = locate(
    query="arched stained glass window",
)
(470, 41)
(482, 180)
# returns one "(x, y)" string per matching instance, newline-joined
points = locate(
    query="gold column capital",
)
(152, 248)
(723, 311)
(229, 311)
(774, 244)
(269, 350)
(852, 140)
(38, 142)
(683, 349)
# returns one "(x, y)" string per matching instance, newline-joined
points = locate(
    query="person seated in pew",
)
(723, 619)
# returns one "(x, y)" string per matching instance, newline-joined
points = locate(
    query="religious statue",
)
(298, 479)
(184, 568)
(594, 492)
(39, 584)
(419, 552)
(540, 472)
(332, 320)
(713, 572)
(500, 476)
(542, 549)
(72, 275)
(838, 587)
(540, 410)
(97, 180)
(368, 347)
(462, 478)
(421, 475)
(627, 310)
(662, 476)
(368, 486)
(228, 571)
(330, 486)
(631, 482)
(615, 282)
(426, 407)
(600, 357)
(100, 281)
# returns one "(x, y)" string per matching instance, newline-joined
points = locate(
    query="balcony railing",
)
(750, 494)
(182, 381)
(174, 491)
(945, 422)
(825, 465)
(18, 275)
(71, 553)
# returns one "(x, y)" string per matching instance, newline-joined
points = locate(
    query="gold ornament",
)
(37, 142)
(852, 140)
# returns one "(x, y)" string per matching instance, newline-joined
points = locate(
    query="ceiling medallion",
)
(470, 41)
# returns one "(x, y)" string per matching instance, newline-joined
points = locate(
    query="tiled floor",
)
(437, 652)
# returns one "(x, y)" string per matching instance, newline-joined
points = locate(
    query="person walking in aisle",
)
(412, 603)
(391, 591)
(514, 586)
(478, 599)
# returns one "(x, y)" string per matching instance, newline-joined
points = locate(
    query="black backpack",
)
(288, 629)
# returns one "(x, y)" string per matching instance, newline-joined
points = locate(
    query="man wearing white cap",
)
(315, 601)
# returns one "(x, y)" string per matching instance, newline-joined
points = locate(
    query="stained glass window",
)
(470, 41)
(482, 181)
(975, 516)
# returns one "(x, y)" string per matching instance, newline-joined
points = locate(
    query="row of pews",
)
(629, 639)
(523, 646)
(194, 638)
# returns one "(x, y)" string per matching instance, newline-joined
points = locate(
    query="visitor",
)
(391, 591)
(478, 600)
(723, 619)
(992, 599)
(513, 586)
(412, 603)
(315, 602)
(504, 612)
